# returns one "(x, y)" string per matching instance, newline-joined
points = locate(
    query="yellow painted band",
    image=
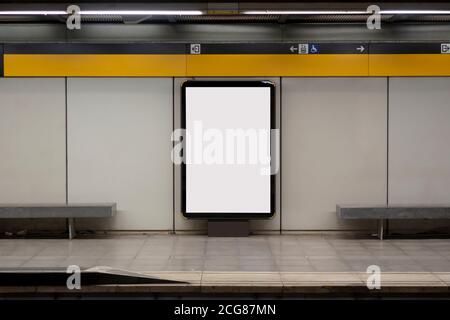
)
(94, 65)
(179, 65)
(277, 65)
(409, 64)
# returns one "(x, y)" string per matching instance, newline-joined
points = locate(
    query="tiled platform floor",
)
(287, 253)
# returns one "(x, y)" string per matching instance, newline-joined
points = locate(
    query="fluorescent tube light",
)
(143, 12)
(415, 11)
(343, 12)
(198, 12)
(31, 13)
(108, 12)
(302, 12)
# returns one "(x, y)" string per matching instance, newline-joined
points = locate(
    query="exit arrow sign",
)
(361, 49)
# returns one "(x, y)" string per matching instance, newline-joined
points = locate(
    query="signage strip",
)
(1, 61)
(92, 48)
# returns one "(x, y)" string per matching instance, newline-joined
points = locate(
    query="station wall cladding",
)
(361, 123)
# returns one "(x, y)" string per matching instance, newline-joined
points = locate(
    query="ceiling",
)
(185, 12)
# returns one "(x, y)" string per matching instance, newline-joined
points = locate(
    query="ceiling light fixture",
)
(107, 12)
(342, 12)
(198, 12)
(31, 13)
(143, 12)
(415, 11)
(303, 12)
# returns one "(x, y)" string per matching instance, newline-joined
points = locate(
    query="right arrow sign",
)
(361, 49)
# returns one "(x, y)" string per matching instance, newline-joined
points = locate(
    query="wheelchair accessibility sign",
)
(313, 48)
(308, 48)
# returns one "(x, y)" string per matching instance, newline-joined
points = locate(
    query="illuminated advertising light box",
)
(226, 170)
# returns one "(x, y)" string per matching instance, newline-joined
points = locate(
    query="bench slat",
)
(393, 212)
(383, 213)
(28, 211)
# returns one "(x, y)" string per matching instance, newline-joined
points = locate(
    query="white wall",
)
(334, 149)
(119, 149)
(32, 140)
(32, 147)
(419, 141)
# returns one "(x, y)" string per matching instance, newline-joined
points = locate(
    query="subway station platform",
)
(255, 267)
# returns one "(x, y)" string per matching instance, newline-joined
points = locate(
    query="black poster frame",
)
(229, 215)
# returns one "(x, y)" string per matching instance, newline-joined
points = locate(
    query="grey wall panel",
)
(207, 32)
(334, 149)
(359, 32)
(419, 130)
(32, 147)
(165, 32)
(183, 224)
(119, 149)
(32, 140)
(36, 33)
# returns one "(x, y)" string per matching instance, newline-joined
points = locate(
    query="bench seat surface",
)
(393, 212)
(77, 210)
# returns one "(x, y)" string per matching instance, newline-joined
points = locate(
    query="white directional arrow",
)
(361, 49)
(292, 48)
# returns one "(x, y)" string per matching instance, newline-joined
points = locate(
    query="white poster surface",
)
(227, 149)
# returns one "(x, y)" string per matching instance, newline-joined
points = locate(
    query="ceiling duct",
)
(102, 19)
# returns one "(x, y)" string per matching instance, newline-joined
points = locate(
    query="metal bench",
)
(67, 211)
(384, 213)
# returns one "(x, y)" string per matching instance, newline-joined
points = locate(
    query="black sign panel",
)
(407, 48)
(92, 48)
(2, 74)
(283, 48)
(299, 47)
(227, 190)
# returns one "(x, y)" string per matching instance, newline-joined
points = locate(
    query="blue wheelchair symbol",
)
(314, 48)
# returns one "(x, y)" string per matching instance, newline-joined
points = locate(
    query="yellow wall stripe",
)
(277, 65)
(409, 64)
(180, 65)
(94, 65)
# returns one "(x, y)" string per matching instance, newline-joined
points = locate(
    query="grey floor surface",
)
(286, 253)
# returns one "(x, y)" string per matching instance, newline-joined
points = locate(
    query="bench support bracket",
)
(71, 228)
(228, 228)
(383, 228)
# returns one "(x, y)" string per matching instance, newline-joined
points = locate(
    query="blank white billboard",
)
(227, 149)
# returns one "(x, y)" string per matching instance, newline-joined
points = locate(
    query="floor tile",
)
(272, 253)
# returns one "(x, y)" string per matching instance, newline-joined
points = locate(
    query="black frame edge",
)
(2, 62)
(229, 215)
